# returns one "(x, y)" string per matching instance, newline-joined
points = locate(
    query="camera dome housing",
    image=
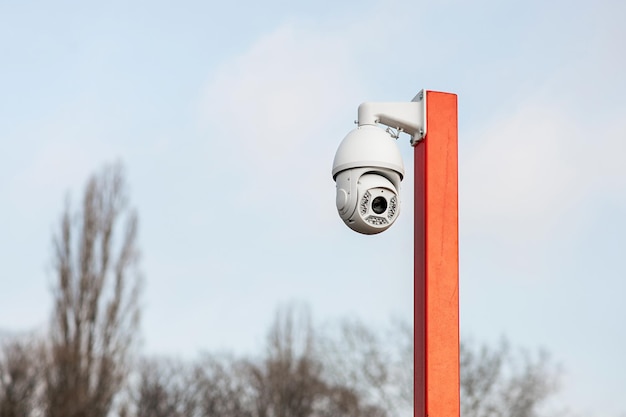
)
(368, 169)
(368, 146)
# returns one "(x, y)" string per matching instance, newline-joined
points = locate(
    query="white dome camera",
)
(368, 169)
(368, 166)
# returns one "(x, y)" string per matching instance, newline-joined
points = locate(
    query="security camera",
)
(368, 169)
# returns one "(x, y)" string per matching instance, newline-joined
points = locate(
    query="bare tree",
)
(211, 387)
(165, 389)
(96, 312)
(495, 382)
(499, 382)
(19, 378)
(377, 365)
(221, 388)
(292, 381)
(288, 381)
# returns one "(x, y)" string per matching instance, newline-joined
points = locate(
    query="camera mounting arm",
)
(406, 117)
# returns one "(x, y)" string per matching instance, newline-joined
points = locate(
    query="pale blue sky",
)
(227, 116)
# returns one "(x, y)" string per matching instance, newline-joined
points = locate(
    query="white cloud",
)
(518, 172)
(604, 159)
(280, 94)
(522, 174)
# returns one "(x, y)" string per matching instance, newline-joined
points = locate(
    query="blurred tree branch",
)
(96, 311)
(20, 372)
(500, 382)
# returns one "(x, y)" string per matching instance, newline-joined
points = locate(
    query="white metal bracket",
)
(408, 117)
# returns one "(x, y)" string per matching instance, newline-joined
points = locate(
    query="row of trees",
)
(85, 367)
(294, 377)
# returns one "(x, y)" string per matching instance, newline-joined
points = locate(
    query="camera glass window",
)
(379, 205)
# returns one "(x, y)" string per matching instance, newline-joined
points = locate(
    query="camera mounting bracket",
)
(408, 117)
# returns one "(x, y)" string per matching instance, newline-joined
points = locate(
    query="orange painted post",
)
(437, 261)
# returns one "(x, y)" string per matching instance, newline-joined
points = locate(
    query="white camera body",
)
(368, 167)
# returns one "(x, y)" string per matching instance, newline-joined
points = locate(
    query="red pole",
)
(437, 261)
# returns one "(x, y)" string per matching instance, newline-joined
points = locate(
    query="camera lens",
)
(379, 205)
